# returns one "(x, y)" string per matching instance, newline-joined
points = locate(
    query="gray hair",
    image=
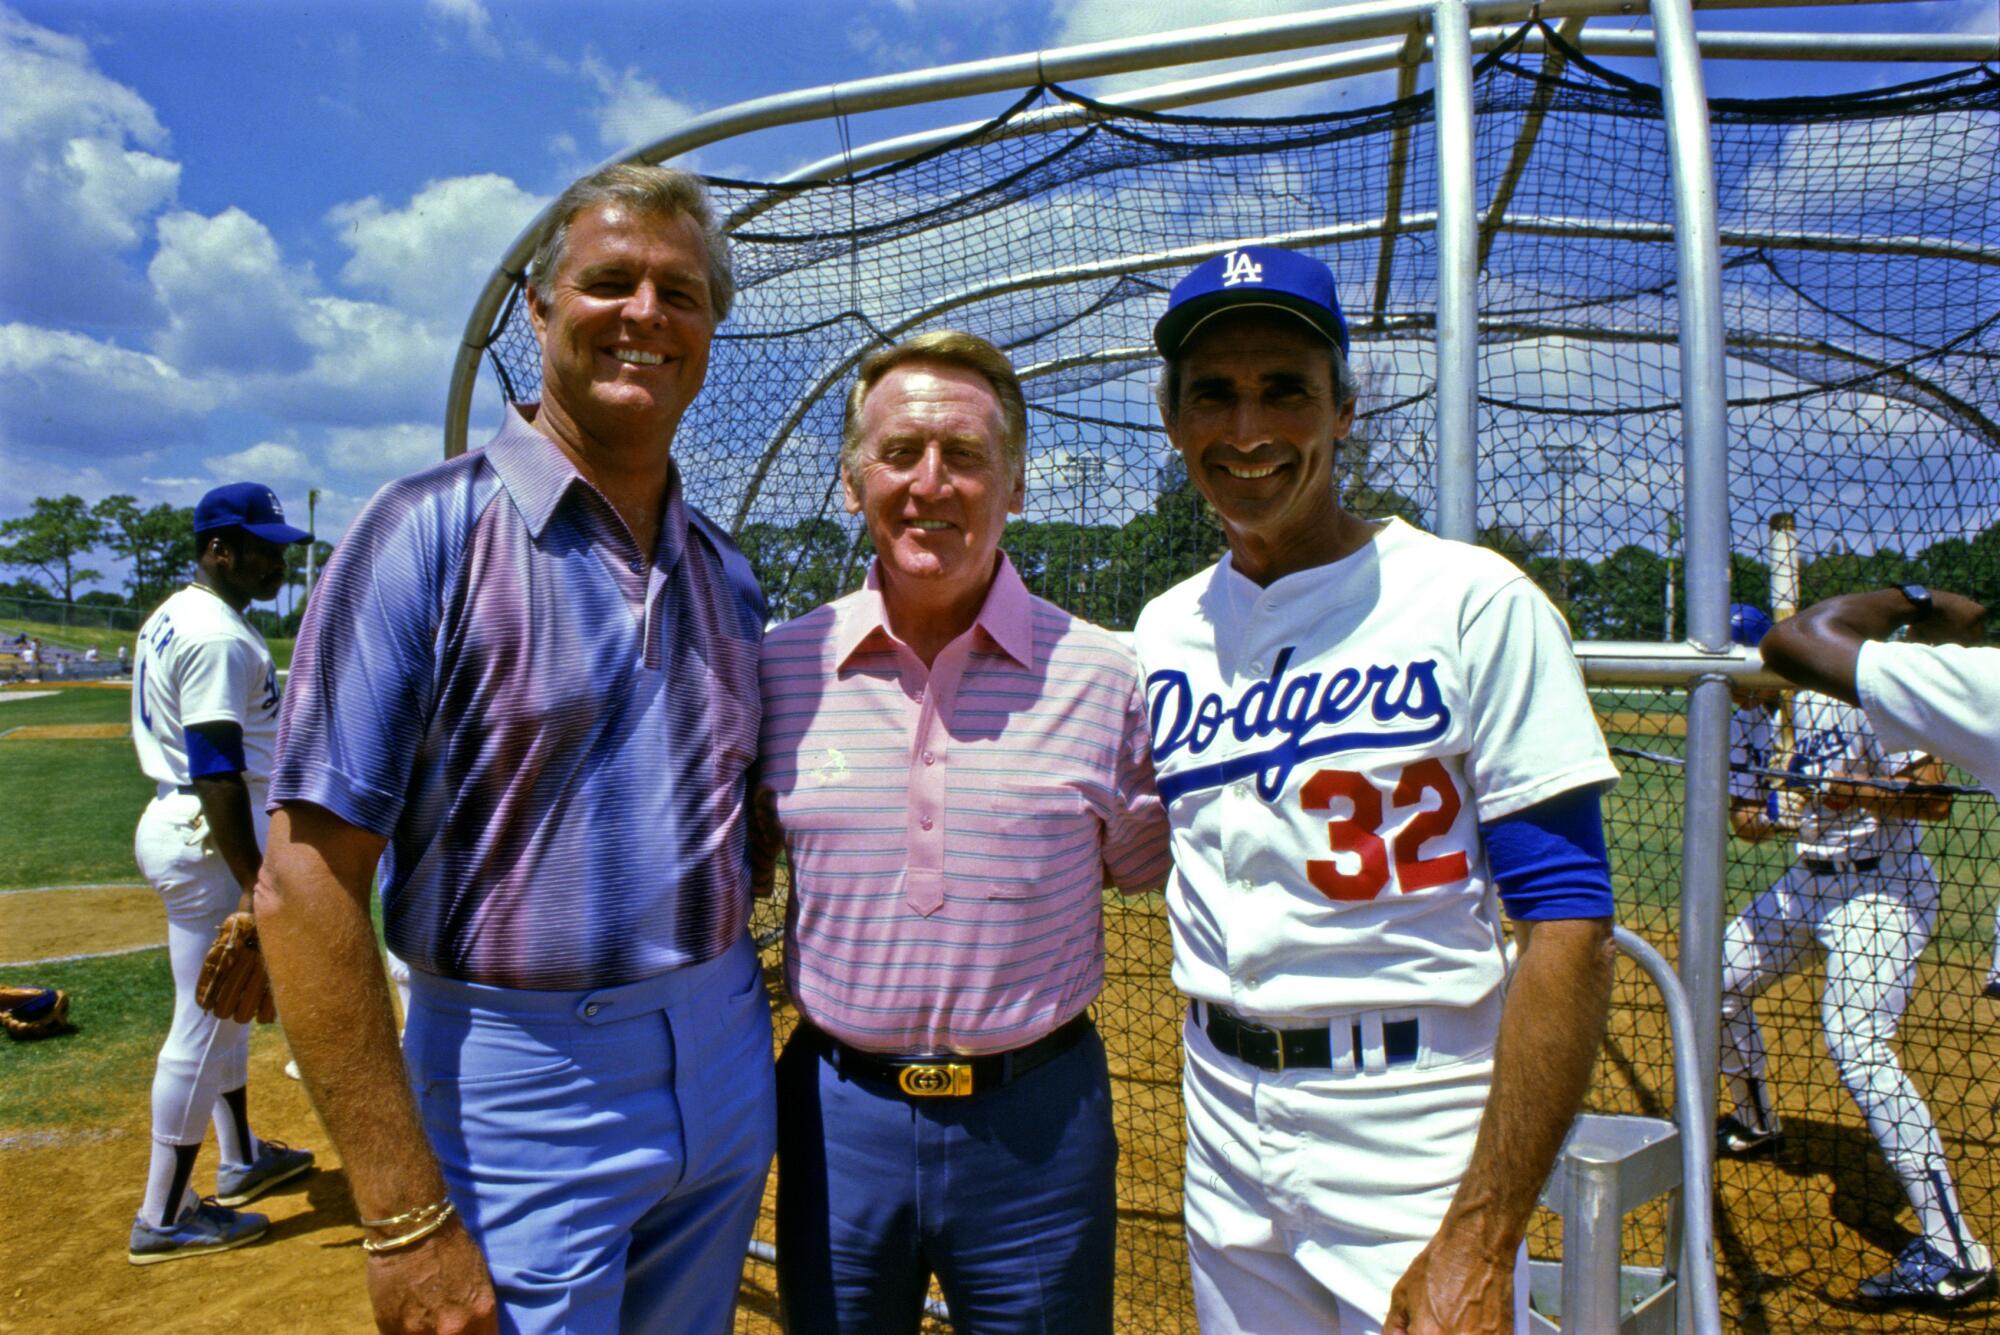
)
(649, 191)
(1346, 386)
(943, 347)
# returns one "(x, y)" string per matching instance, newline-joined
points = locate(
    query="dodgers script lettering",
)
(1388, 705)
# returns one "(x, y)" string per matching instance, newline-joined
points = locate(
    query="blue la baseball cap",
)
(1748, 624)
(250, 506)
(1253, 276)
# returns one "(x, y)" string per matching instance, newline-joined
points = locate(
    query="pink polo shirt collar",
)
(1007, 616)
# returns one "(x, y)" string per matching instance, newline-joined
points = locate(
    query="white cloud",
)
(471, 17)
(232, 304)
(1859, 168)
(431, 257)
(83, 156)
(269, 462)
(631, 109)
(1081, 21)
(73, 393)
(382, 452)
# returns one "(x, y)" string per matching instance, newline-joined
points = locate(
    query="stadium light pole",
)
(312, 538)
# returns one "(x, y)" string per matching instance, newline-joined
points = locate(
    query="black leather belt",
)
(1271, 1049)
(1822, 867)
(949, 1075)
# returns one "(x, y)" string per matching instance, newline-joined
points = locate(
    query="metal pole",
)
(1458, 275)
(312, 542)
(1704, 449)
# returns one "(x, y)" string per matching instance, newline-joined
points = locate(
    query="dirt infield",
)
(83, 920)
(67, 732)
(1794, 1233)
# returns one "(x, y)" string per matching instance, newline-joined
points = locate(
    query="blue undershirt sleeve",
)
(215, 748)
(1549, 860)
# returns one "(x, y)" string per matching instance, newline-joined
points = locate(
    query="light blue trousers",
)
(607, 1148)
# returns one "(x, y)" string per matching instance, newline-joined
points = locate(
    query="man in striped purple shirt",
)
(958, 768)
(527, 685)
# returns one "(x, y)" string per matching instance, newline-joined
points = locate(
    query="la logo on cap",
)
(1240, 268)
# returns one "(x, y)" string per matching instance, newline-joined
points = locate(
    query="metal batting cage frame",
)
(1623, 321)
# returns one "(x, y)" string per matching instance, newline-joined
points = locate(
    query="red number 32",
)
(1359, 832)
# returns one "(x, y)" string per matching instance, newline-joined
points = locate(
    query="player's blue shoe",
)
(276, 1162)
(1923, 1274)
(202, 1227)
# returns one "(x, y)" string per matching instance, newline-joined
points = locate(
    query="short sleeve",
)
(1940, 698)
(216, 678)
(1534, 734)
(359, 699)
(1138, 850)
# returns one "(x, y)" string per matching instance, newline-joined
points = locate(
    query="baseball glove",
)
(33, 1012)
(233, 984)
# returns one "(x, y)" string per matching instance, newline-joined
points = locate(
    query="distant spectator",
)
(31, 660)
(124, 660)
(90, 655)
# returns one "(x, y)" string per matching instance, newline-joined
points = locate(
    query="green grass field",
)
(71, 805)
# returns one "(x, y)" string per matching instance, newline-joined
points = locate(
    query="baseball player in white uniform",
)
(1369, 740)
(1935, 698)
(204, 720)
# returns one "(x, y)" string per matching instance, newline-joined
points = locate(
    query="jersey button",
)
(591, 1009)
(1257, 666)
(1243, 790)
(929, 759)
(925, 822)
(638, 566)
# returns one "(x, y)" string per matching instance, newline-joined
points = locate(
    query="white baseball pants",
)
(1873, 926)
(202, 1055)
(1310, 1192)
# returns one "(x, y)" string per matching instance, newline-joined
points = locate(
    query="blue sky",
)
(240, 239)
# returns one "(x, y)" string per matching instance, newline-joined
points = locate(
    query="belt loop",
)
(1342, 1052)
(1373, 1060)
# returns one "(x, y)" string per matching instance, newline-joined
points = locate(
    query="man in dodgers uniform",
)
(1938, 692)
(1369, 740)
(1864, 890)
(527, 683)
(204, 718)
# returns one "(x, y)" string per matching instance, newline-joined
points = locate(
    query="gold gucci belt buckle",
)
(940, 1080)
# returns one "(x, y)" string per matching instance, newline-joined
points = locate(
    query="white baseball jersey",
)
(201, 661)
(1327, 747)
(1940, 698)
(1830, 739)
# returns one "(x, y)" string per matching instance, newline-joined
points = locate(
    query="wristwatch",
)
(1919, 596)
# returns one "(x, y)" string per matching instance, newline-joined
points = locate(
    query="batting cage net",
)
(1861, 252)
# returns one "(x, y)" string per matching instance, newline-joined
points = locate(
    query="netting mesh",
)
(1862, 285)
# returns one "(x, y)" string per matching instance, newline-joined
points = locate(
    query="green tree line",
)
(56, 539)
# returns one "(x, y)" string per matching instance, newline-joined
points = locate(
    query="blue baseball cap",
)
(250, 506)
(1748, 624)
(1253, 276)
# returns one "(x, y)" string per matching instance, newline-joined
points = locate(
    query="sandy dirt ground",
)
(1795, 1233)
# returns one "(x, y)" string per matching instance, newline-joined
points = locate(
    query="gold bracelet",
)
(414, 1236)
(408, 1216)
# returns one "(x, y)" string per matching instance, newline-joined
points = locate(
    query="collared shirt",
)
(950, 829)
(553, 732)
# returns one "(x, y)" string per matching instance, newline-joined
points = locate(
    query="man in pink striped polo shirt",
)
(957, 769)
